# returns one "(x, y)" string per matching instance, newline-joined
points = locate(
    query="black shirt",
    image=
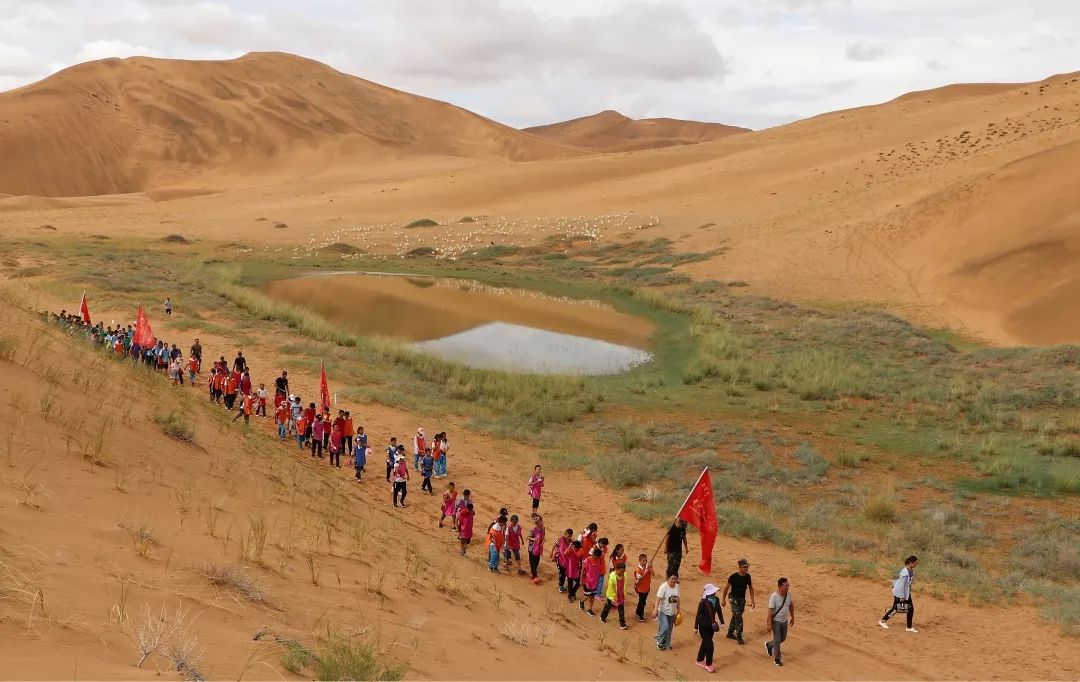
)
(239, 364)
(282, 385)
(738, 584)
(675, 537)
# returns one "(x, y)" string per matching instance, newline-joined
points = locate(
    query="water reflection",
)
(516, 348)
(477, 324)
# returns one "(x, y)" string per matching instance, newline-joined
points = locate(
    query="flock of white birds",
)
(452, 239)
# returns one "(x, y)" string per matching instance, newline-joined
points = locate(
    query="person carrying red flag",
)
(699, 510)
(324, 388)
(84, 310)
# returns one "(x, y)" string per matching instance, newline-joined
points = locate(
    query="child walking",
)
(464, 523)
(427, 467)
(512, 546)
(642, 584)
(573, 569)
(335, 446)
(558, 555)
(616, 596)
(590, 580)
(536, 547)
(495, 538)
(360, 455)
(449, 501)
(536, 487)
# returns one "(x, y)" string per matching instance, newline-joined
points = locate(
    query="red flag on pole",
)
(699, 510)
(84, 309)
(144, 336)
(324, 388)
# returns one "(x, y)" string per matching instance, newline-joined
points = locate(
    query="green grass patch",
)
(734, 521)
(422, 222)
(175, 426)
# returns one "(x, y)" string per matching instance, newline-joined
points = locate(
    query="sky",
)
(755, 63)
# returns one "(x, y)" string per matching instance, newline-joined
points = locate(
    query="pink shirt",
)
(572, 563)
(513, 537)
(591, 572)
(536, 486)
(465, 523)
(560, 550)
(536, 541)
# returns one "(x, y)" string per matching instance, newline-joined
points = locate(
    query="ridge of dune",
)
(120, 126)
(611, 131)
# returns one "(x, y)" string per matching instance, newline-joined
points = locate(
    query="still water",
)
(478, 325)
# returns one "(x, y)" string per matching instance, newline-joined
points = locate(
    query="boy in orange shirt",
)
(642, 584)
(348, 430)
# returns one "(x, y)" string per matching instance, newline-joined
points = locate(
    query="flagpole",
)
(692, 489)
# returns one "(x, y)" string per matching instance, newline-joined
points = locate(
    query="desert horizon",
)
(741, 268)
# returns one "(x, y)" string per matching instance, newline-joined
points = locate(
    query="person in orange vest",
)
(281, 417)
(347, 432)
(495, 537)
(192, 369)
(231, 386)
(219, 386)
(247, 403)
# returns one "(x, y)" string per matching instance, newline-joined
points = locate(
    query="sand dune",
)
(122, 126)
(610, 131)
(916, 203)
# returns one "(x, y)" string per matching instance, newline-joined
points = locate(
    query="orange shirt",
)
(642, 579)
(247, 403)
(230, 385)
(193, 365)
(588, 540)
(347, 427)
(282, 414)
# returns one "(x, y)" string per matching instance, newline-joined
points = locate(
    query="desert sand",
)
(75, 579)
(924, 204)
(956, 207)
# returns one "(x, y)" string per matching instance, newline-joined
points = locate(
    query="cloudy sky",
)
(748, 62)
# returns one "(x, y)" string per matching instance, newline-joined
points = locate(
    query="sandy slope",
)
(67, 539)
(120, 126)
(935, 204)
(610, 131)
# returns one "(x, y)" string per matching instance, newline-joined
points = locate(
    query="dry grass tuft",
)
(235, 579)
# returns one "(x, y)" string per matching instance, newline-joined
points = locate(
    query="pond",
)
(478, 325)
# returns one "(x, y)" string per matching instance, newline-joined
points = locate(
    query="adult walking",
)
(738, 584)
(281, 388)
(902, 595)
(675, 546)
(706, 625)
(781, 618)
(666, 611)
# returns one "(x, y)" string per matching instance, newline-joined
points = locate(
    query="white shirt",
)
(668, 598)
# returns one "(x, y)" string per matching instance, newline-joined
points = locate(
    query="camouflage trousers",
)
(737, 608)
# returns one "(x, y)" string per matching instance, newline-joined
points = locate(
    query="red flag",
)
(700, 510)
(84, 309)
(144, 336)
(324, 388)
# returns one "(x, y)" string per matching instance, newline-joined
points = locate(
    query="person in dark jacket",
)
(706, 625)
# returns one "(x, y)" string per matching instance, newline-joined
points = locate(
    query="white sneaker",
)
(910, 630)
(883, 624)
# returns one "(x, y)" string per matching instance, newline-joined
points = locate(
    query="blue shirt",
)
(427, 465)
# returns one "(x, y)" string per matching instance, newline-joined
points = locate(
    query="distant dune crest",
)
(128, 125)
(610, 131)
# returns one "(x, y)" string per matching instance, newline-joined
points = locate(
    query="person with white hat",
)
(706, 625)
(419, 443)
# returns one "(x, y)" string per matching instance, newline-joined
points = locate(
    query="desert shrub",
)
(296, 658)
(280, 226)
(624, 471)
(421, 252)
(1050, 550)
(235, 579)
(175, 239)
(740, 524)
(341, 659)
(938, 528)
(557, 460)
(1026, 473)
(422, 222)
(814, 466)
(8, 345)
(1060, 603)
(467, 219)
(880, 509)
(342, 248)
(174, 426)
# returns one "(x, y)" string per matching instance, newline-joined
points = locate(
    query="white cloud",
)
(103, 49)
(532, 61)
